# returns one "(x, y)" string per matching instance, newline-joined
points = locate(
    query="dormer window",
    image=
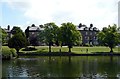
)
(33, 33)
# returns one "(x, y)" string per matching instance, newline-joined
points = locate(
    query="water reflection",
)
(86, 66)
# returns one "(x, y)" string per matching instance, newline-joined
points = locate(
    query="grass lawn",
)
(44, 49)
(75, 49)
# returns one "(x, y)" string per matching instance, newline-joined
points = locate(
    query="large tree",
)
(18, 39)
(109, 36)
(3, 36)
(41, 37)
(69, 35)
(27, 32)
(50, 33)
(16, 30)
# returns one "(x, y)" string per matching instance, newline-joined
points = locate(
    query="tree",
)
(41, 37)
(27, 32)
(16, 30)
(69, 35)
(109, 36)
(50, 33)
(18, 41)
(3, 36)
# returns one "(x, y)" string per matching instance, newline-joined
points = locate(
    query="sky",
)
(23, 13)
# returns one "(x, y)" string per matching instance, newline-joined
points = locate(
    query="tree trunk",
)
(69, 49)
(60, 48)
(17, 51)
(111, 50)
(49, 48)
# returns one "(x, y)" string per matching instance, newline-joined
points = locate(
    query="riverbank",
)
(69, 54)
(75, 49)
(8, 53)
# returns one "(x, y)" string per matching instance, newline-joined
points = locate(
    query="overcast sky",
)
(26, 12)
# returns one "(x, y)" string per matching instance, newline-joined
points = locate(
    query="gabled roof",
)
(83, 27)
(35, 28)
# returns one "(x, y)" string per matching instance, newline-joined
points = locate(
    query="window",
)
(32, 33)
(87, 38)
(90, 33)
(94, 32)
(86, 33)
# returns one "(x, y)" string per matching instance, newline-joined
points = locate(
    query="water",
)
(76, 66)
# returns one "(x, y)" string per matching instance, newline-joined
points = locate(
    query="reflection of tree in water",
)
(89, 68)
(64, 66)
(109, 67)
(97, 68)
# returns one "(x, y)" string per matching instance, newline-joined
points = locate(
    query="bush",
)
(13, 51)
(7, 52)
(29, 49)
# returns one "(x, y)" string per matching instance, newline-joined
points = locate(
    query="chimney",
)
(80, 25)
(33, 25)
(91, 25)
(8, 27)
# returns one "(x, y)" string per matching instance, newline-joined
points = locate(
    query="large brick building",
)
(89, 34)
(33, 34)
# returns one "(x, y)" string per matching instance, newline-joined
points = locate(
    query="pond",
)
(64, 66)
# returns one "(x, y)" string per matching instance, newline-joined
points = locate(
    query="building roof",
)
(7, 31)
(81, 28)
(31, 28)
(84, 27)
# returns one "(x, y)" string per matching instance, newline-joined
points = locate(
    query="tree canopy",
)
(69, 35)
(109, 36)
(18, 39)
(50, 33)
(27, 32)
(16, 30)
(3, 36)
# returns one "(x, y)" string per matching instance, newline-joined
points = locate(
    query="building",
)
(9, 34)
(32, 34)
(89, 34)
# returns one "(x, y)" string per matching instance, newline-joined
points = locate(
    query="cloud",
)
(99, 12)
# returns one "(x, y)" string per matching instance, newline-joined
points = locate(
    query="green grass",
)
(79, 50)
(44, 49)
(75, 49)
